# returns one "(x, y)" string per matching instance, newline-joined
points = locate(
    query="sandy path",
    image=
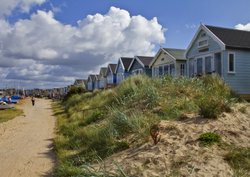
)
(26, 142)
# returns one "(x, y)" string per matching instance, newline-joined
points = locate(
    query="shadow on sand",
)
(195, 120)
(51, 155)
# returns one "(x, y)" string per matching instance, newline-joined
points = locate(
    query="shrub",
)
(216, 85)
(215, 97)
(102, 143)
(92, 118)
(137, 89)
(171, 112)
(68, 129)
(66, 170)
(60, 142)
(209, 106)
(150, 95)
(71, 102)
(239, 160)
(174, 107)
(132, 122)
(101, 98)
(121, 123)
(74, 90)
(209, 138)
(94, 141)
(120, 146)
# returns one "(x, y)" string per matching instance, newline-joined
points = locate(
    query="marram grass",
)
(93, 126)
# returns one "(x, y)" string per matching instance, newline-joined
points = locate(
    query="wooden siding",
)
(90, 85)
(102, 83)
(193, 53)
(120, 72)
(213, 46)
(96, 85)
(190, 67)
(240, 80)
(111, 78)
(166, 60)
(163, 60)
(178, 68)
(136, 65)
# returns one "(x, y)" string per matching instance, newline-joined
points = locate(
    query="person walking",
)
(9, 100)
(33, 101)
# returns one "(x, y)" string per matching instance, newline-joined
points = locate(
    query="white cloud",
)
(7, 6)
(56, 9)
(245, 27)
(66, 52)
(47, 54)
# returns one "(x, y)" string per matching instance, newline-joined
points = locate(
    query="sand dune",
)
(180, 154)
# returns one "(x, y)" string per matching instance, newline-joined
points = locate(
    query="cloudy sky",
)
(50, 43)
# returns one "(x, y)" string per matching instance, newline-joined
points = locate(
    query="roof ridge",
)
(227, 28)
(143, 56)
(126, 57)
(173, 48)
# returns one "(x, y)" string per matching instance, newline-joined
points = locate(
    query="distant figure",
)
(9, 99)
(33, 101)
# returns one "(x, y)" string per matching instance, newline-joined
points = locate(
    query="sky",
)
(50, 43)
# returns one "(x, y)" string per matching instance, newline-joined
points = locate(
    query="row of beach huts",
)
(213, 50)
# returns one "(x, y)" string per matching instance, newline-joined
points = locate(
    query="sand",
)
(26, 142)
(179, 153)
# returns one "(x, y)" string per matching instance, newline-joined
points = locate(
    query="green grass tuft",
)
(209, 138)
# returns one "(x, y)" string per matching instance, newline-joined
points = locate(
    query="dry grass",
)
(239, 160)
(23, 101)
(9, 114)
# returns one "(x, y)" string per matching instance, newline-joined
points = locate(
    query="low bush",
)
(209, 106)
(68, 129)
(137, 89)
(92, 118)
(66, 170)
(121, 123)
(74, 90)
(132, 122)
(215, 97)
(121, 145)
(239, 160)
(209, 138)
